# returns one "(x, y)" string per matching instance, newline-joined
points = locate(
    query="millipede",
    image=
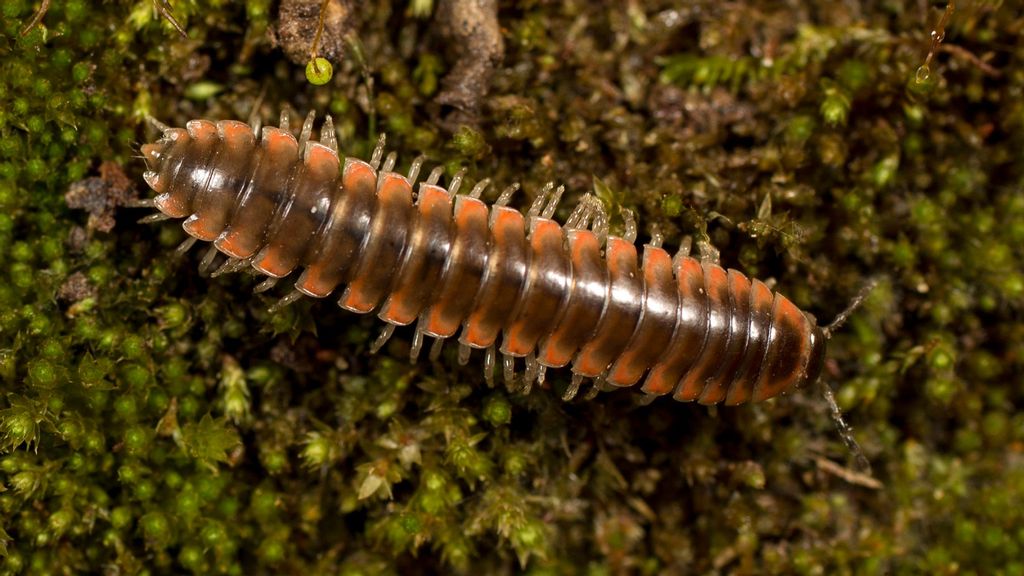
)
(555, 295)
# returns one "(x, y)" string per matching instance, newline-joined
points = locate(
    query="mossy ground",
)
(155, 421)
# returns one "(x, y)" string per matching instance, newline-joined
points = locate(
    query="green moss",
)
(168, 423)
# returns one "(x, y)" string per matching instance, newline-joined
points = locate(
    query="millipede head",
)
(155, 152)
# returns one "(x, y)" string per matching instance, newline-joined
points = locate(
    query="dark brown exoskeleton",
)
(556, 295)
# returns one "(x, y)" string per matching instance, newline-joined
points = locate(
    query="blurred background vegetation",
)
(156, 421)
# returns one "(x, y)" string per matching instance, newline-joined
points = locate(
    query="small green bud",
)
(121, 517)
(60, 521)
(157, 530)
(318, 450)
(497, 410)
(319, 71)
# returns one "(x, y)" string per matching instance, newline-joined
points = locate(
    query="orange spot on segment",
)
(689, 337)
(545, 236)
(196, 227)
(630, 366)
(507, 226)
(366, 289)
(739, 326)
(594, 358)
(313, 282)
(457, 293)
(716, 282)
(321, 160)
(742, 388)
(559, 349)
(358, 173)
(201, 129)
(278, 143)
(228, 244)
(270, 262)
(401, 307)
(789, 351)
(171, 206)
(235, 134)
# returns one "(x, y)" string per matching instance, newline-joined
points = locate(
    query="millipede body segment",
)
(555, 295)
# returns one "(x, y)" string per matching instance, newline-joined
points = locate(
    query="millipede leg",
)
(185, 246)
(506, 195)
(435, 176)
(207, 262)
(541, 374)
(414, 169)
(532, 368)
(141, 203)
(164, 9)
(508, 366)
(417, 345)
(307, 129)
(267, 284)
(580, 216)
(285, 121)
(154, 218)
(328, 136)
(435, 349)
(479, 188)
(292, 297)
(378, 151)
(595, 388)
(553, 201)
(456, 183)
(255, 122)
(538, 202)
(382, 338)
(389, 162)
(574, 388)
(231, 266)
(629, 235)
(644, 399)
(656, 236)
(464, 351)
(489, 361)
(389, 165)
(683, 252)
(600, 223)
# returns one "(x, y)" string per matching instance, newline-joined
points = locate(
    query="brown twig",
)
(851, 476)
(43, 7)
(961, 52)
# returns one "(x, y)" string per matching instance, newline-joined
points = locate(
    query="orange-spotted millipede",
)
(555, 294)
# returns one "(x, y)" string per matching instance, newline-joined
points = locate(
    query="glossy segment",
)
(657, 321)
(690, 332)
(588, 298)
(262, 195)
(625, 295)
(424, 258)
(385, 245)
(547, 283)
(502, 282)
(348, 224)
(465, 267)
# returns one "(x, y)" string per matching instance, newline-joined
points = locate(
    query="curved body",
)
(556, 295)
